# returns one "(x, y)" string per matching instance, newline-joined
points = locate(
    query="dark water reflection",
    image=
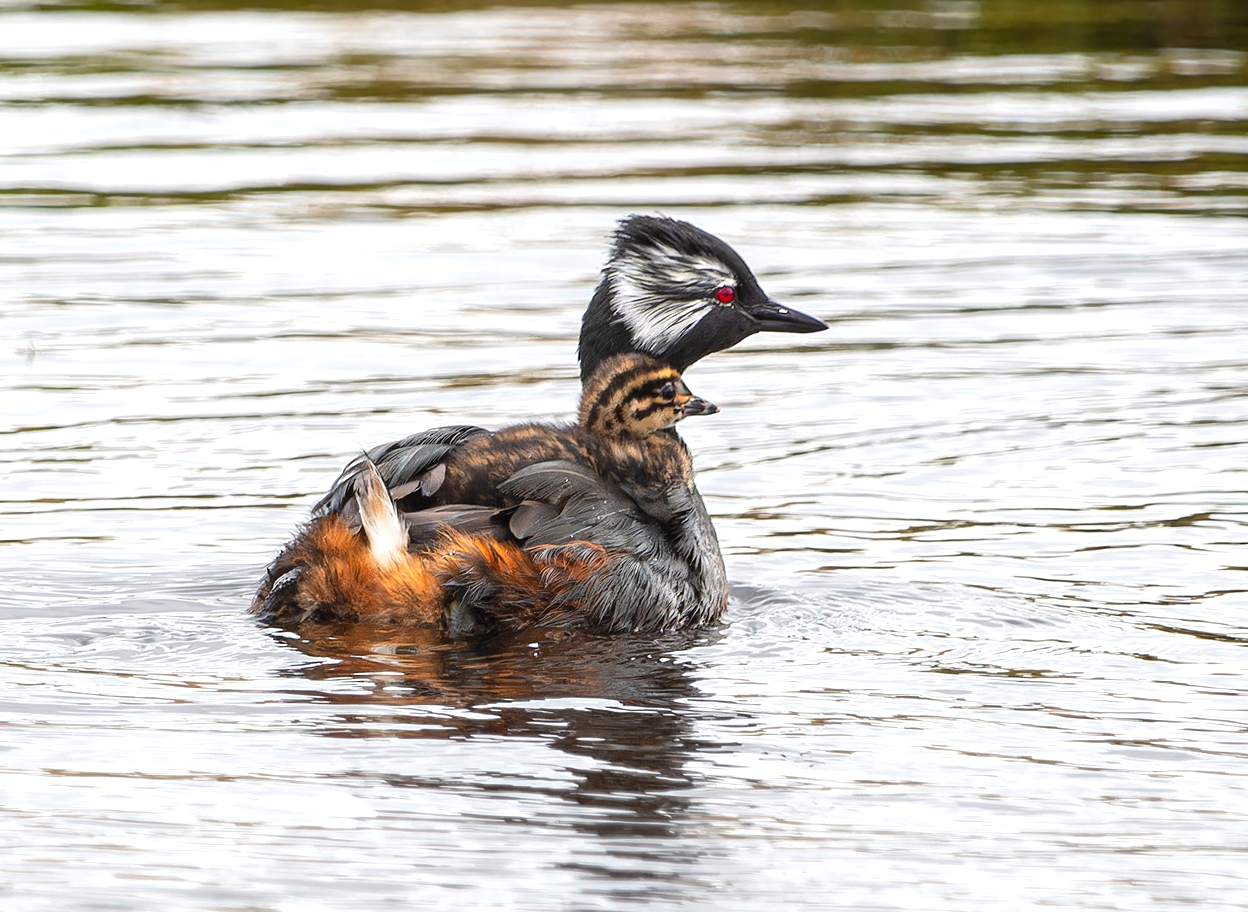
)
(986, 535)
(618, 709)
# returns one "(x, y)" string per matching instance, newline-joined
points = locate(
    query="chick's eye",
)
(725, 294)
(668, 392)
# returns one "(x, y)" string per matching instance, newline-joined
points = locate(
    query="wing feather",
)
(563, 502)
(415, 463)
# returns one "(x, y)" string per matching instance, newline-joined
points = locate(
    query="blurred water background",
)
(987, 535)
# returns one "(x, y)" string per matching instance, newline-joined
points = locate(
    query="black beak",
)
(698, 406)
(771, 317)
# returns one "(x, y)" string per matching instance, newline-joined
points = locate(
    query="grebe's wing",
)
(558, 502)
(633, 577)
(424, 527)
(563, 502)
(415, 464)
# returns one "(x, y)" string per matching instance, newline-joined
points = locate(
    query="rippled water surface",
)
(988, 535)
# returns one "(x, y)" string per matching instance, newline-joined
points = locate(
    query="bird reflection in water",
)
(620, 702)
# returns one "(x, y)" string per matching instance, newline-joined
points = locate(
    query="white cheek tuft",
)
(655, 322)
(644, 283)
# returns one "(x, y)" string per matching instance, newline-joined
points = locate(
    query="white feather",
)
(638, 280)
(387, 534)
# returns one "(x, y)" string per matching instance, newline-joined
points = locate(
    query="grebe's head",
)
(671, 290)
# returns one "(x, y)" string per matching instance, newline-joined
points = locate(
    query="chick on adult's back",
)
(602, 528)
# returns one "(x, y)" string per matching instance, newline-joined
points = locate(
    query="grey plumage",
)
(659, 575)
(405, 466)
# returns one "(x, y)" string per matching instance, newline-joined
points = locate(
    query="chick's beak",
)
(697, 406)
(771, 317)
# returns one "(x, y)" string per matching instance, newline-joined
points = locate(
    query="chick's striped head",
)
(634, 395)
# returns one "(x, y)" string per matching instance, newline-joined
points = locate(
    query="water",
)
(987, 535)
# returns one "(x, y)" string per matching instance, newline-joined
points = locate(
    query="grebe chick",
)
(610, 535)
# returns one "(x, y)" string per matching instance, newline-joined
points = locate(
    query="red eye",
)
(725, 294)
